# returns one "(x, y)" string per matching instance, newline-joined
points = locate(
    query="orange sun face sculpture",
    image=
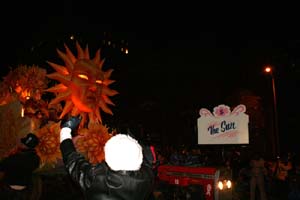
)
(83, 85)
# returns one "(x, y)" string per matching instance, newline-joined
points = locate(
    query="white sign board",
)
(223, 126)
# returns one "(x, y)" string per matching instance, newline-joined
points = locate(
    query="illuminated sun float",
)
(83, 85)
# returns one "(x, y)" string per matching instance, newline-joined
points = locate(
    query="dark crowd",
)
(254, 175)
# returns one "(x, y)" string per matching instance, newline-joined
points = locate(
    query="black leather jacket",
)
(99, 182)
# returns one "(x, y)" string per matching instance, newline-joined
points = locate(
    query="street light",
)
(269, 70)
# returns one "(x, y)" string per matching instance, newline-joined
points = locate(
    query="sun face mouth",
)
(91, 99)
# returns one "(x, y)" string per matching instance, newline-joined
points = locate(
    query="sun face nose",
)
(93, 88)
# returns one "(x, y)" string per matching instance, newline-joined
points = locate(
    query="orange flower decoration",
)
(90, 142)
(48, 147)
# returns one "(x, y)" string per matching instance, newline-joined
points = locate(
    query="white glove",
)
(65, 133)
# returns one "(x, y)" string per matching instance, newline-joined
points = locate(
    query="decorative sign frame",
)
(223, 126)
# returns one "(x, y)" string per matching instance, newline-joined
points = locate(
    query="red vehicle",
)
(214, 186)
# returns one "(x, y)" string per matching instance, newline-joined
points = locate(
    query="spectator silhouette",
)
(258, 171)
(18, 171)
(281, 182)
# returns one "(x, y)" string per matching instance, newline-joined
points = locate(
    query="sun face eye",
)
(99, 82)
(82, 76)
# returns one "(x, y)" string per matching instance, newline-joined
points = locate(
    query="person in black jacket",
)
(125, 173)
(18, 168)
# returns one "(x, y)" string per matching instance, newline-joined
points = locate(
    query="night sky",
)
(173, 68)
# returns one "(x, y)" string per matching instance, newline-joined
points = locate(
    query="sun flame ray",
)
(68, 107)
(86, 53)
(66, 60)
(59, 77)
(104, 107)
(57, 88)
(108, 82)
(59, 68)
(108, 73)
(97, 58)
(107, 100)
(70, 54)
(80, 53)
(60, 97)
(109, 92)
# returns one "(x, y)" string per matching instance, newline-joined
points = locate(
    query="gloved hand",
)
(72, 123)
